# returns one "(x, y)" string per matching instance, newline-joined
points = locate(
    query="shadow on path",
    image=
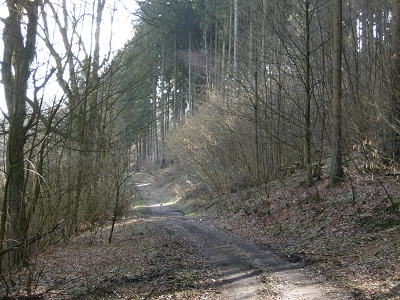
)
(239, 262)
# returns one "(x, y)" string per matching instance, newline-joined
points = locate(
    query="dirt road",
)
(246, 272)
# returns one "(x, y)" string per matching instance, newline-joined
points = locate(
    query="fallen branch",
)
(32, 240)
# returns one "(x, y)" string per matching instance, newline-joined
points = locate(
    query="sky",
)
(121, 30)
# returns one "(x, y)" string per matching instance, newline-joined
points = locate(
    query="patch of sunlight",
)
(154, 205)
(161, 204)
(172, 201)
(142, 205)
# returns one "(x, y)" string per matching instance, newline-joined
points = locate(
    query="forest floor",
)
(280, 241)
(349, 234)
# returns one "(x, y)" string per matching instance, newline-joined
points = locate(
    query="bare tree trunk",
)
(223, 61)
(155, 123)
(19, 52)
(175, 106)
(336, 171)
(307, 106)
(235, 39)
(162, 106)
(230, 46)
(256, 128)
(395, 76)
(190, 93)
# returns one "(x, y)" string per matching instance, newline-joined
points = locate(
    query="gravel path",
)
(247, 272)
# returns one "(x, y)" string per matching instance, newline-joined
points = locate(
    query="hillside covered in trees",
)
(232, 94)
(239, 93)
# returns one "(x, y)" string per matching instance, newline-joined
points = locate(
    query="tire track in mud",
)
(239, 262)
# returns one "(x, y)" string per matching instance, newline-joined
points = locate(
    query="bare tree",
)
(77, 72)
(19, 37)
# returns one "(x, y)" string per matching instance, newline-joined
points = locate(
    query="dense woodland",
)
(234, 93)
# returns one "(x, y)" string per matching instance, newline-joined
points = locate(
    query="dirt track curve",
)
(239, 262)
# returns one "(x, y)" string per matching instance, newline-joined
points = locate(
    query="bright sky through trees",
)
(120, 29)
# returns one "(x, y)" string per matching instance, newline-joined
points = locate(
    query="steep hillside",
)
(349, 233)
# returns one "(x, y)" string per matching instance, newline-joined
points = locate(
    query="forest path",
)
(246, 272)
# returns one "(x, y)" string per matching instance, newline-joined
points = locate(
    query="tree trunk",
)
(235, 39)
(336, 171)
(162, 106)
(19, 52)
(307, 104)
(395, 77)
(155, 123)
(190, 95)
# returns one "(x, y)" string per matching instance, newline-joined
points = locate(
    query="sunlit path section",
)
(244, 270)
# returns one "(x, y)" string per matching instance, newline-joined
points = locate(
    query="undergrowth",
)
(350, 233)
